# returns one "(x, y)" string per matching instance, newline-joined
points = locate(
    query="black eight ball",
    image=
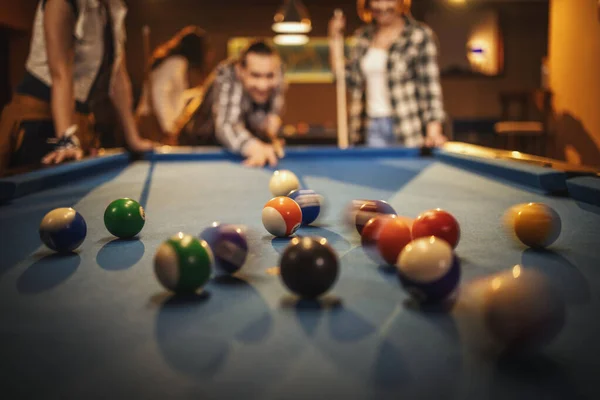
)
(309, 266)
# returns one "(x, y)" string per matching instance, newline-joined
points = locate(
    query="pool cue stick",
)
(275, 142)
(147, 67)
(340, 77)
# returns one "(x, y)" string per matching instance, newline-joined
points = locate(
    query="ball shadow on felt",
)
(182, 342)
(195, 333)
(309, 312)
(120, 254)
(48, 272)
(564, 275)
(543, 376)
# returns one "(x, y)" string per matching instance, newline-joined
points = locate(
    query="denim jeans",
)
(380, 132)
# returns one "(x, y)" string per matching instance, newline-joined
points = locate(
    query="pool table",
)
(97, 324)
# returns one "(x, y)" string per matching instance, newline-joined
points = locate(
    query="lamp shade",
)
(292, 17)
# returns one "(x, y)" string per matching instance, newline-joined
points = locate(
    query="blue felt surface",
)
(20, 185)
(20, 221)
(585, 188)
(98, 325)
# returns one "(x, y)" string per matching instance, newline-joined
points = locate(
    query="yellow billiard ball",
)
(536, 225)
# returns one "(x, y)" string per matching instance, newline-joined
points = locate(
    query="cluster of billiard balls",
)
(183, 263)
(521, 307)
(308, 266)
(64, 229)
(421, 250)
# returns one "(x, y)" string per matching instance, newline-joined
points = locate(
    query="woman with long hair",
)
(175, 73)
(392, 77)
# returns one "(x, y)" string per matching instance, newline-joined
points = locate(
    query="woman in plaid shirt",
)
(392, 77)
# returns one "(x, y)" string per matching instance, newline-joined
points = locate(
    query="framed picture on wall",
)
(308, 63)
(470, 41)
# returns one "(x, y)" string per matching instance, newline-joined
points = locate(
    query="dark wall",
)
(16, 19)
(17, 14)
(525, 27)
(4, 67)
(525, 31)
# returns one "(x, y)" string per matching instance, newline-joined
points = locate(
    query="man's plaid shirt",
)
(413, 82)
(227, 115)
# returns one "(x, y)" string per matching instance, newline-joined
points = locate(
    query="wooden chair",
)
(525, 121)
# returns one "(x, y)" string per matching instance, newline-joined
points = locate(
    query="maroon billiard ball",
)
(438, 223)
(370, 209)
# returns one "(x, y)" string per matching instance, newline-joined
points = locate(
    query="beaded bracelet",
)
(67, 141)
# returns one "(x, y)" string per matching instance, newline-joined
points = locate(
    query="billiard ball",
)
(283, 182)
(368, 210)
(522, 310)
(281, 216)
(510, 215)
(228, 244)
(438, 223)
(394, 235)
(183, 263)
(124, 218)
(537, 225)
(310, 202)
(349, 216)
(428, 269)
(370, 236)
(309, 267)
(508, 220)
(63, 230)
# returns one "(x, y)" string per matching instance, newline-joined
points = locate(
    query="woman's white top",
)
(374, 68)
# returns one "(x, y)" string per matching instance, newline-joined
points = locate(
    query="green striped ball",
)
(183, 263)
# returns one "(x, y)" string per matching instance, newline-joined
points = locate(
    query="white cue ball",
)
(283, 182)
(523, 310)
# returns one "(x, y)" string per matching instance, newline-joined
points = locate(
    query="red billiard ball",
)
(438, 223)
(394, 235)
(370, 236)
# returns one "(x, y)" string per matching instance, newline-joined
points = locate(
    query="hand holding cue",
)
(279, 151)
(340, 77)
(275, 142)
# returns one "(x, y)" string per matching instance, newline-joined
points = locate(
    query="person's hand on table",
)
(258, 154)
(141, 145)
(435, 140)
(67, 147)
(435, 137)
(170, 140)
(60, 155)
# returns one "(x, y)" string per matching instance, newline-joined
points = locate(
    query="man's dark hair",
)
(257, 47)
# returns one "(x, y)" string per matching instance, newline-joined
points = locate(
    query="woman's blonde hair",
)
(364, 9)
